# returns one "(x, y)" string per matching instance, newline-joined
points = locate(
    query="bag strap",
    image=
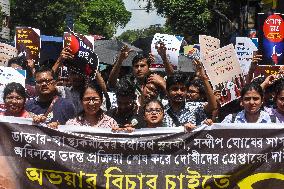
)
(273, 118)
(174, 118)
(234, 115)
(51, 106)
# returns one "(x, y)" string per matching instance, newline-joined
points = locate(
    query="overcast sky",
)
(140, 18)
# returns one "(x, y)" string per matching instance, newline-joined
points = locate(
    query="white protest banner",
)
(7, 52)
(8, 75)
(223, 69)
(245, 48)
(172, 44)
(208, 44)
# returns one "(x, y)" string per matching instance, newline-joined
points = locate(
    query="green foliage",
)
(91, 16)
(103, 17)
(192, 17)
(185, 16)
(132, 35)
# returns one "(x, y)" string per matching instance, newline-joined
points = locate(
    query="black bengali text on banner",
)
(222, 156)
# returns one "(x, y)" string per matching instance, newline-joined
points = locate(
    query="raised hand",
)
(151, 58)
(269, 81)
(200, 72)
(157, 80)
(161, 49)
(124, 52)
(281, 71)
(255, 60)
(65, 54)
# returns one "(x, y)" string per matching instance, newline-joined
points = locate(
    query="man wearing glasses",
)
(48, 106)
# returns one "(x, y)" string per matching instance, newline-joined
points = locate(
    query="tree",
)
(132, 35)
(91, 16)
(103, 17)
(194, 17)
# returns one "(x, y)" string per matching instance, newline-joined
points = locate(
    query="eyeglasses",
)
(46, 81)
(15, 98)
(156, 111)
(93, 99)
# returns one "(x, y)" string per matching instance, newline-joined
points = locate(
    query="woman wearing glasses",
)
(14, 97)
(92, 114)
(153, 114)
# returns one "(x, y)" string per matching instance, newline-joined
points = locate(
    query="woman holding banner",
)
(154, 114)
(92, 114)
(251, 100)
(14, 97)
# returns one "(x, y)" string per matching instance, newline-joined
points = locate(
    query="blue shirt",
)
(240, 118)
(62, 111)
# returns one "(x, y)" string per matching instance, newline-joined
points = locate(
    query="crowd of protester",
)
(139, 99)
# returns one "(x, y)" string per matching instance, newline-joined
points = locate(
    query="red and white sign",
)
(273, 28)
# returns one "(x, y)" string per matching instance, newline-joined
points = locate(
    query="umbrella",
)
(184, 65)
(107, 51)
(144, 44)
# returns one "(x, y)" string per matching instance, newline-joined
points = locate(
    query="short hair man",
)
(140, 65)
(48, 104)
(127, 111)
(178, 112)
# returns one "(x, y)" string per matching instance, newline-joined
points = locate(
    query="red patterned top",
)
(105, 122)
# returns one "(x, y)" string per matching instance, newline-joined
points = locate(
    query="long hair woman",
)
(251, 101)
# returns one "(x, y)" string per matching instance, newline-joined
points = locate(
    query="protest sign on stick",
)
(6, 52)
(245, 48)
(172, 43)
(271, 38)
(85, 61)
(208, 44)
(87, 39)
(223, 69)
(28, 42)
